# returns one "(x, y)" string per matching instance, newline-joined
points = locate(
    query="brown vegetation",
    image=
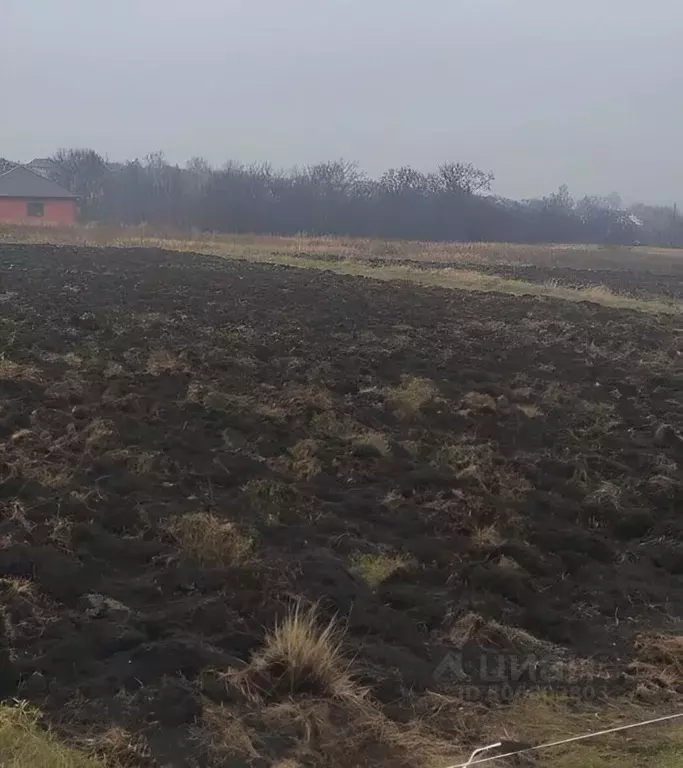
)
(210, 541)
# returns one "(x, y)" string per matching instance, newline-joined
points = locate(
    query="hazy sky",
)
(588, 92)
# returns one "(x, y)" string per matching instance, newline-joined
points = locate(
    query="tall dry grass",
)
(249, 245)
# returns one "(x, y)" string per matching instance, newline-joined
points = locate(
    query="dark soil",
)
(140, 385)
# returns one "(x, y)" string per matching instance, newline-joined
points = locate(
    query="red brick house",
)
(27, 198)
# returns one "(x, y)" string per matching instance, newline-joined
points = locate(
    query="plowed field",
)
(189, 445)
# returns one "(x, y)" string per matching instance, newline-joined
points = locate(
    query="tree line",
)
(453, 203)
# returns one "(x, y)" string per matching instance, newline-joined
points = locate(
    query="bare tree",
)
(81, 171)
(338, 198)
(404, 180)
(464, 177)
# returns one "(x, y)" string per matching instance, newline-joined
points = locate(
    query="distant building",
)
(29, 198)
(44, 167)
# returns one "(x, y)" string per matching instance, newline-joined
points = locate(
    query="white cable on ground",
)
(558, 743)
(483, 749)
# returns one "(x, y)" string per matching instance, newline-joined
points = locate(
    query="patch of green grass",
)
(374, 569)
(543, 718)
(584, 756)
(24, 744)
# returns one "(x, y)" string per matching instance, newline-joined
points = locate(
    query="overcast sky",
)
(587, 92)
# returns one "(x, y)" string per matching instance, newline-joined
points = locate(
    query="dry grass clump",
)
(318, 733)
(487, 537)
(304, 463)
(557, 395)
(70, 359)
(302, 655)
(327, 423)
(530, 411)
(229, 736)
(24, 610)
(267, 497)
(477, 463)
(301, 397)
(147, 319)
(10, 370)
(492, 635)
(210, 541)
(50, 475)
(24, 744)
(606, 493)
(96, 432)
(664, 652)
(376, 440)
(121, 748)
(413, 394)
(467, 455)
(162, 360)
(479, 401)
(302, 706)
(374, 569)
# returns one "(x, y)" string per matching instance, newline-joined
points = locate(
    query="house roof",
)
(22, 182)
(43, 166)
